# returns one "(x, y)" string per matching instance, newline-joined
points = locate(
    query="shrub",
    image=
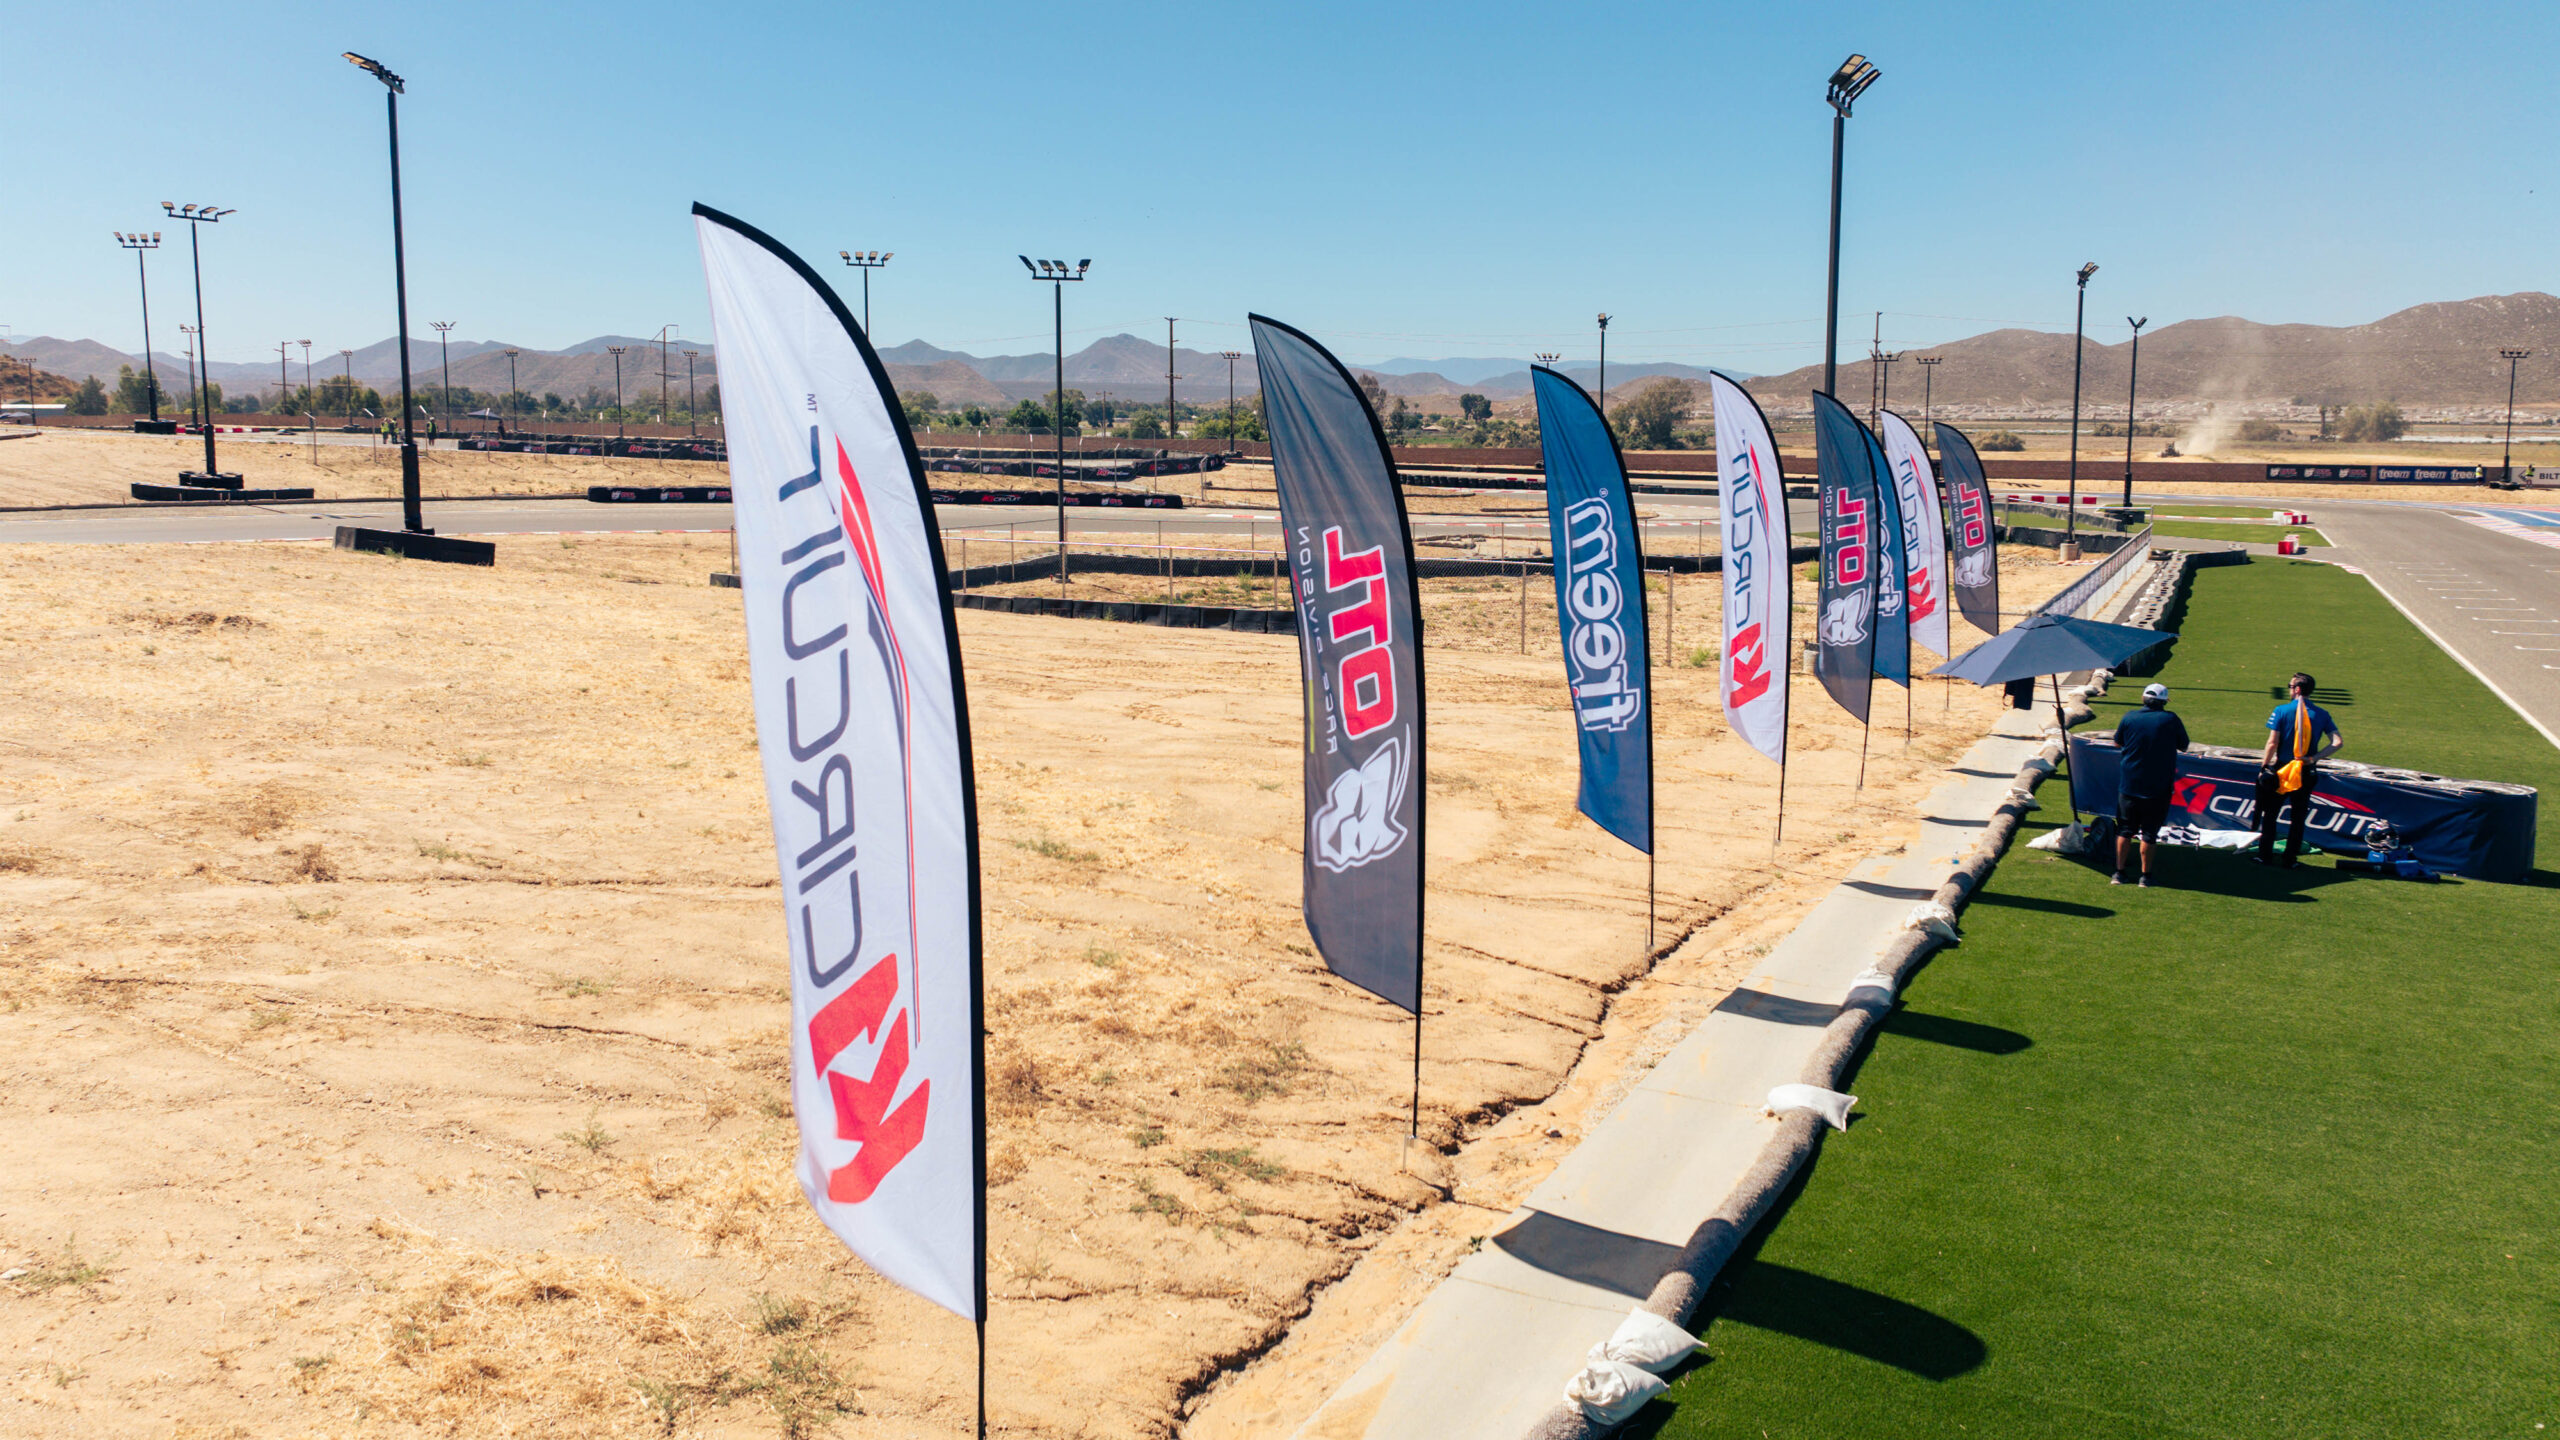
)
(2000, 440)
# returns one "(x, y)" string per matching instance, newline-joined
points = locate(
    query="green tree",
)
(1146, 422)
(1027, 415)
(1476, 408)
(133, 395)
(2365, 424)
(975, 417)
(921, 407)
(90, 398)
(1646, 422)
(1402, 419)
(1247, 424)
(1376, 390)
(2000, 440)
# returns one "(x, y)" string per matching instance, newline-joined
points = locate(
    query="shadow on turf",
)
(1962, 1034)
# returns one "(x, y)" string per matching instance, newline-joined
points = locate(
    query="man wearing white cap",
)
(2147, 746)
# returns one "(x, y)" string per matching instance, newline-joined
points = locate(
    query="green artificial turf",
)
(2229, 530)
(2261, 1153)
(2179, 509)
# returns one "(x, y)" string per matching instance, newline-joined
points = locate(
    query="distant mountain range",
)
(2437, 354)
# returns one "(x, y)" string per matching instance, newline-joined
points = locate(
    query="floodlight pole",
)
(511, 386)
(2507, 460)
(1171, 430)
(2071, 514)
(617, 388)
(866, 261)
(1604, 367)
(663, 376)
(1057, 274)
(347, 364)
(411, 518)
(199, 216)
(2132, 382)
(1233, 440)
(139, 243)
(1847, 84)
(444, 353)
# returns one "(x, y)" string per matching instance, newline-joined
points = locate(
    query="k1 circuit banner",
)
(1599, 572)
(2483, 829)
(1924, 533)
(1844, 653)
(865, 736)
(1759, 585)
(1893, 599)
(1359, 647)
(1973, 571)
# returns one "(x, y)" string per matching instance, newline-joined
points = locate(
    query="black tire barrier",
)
(1104, 471)
(658, 494)
(417, 545)
(1180, 617)
(604, 445)
(202, 494)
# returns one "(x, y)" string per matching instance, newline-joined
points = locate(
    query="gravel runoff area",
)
(2255, 1153)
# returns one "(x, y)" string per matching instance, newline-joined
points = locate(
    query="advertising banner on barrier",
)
(2481, 829)
(1844, 626)
(1893, 597)
(1759, 584)
(1973, 569)
(1360, 653)
(1600, 607)
(1924, 533)
(864, 729)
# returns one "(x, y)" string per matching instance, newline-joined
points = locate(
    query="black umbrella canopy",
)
(2051, 645)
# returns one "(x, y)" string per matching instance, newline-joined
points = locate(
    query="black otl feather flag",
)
(1845, 617)
(1973, 565)
(1360, 654)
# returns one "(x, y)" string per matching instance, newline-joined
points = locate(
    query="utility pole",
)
(1928, 391)
(512, 390)
(1170, 428)
(284, 375)
(692, 421)
(663, 411)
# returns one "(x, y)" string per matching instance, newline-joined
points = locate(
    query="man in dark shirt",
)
(2147, 746)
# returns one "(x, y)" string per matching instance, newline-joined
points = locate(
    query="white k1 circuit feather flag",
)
(865, 734)
(1924, 533)
(1758, 582)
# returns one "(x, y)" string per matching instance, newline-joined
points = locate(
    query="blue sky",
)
(1405, 180)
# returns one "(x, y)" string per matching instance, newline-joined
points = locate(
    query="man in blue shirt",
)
(2147, 746)
(2297, 731)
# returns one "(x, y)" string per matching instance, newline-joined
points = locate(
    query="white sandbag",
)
(1610, 1392)
(2026, 797)
(1831, 1105)
(1878, 984)
(1646, 1341)
(2049, 840)
(2069, 840)
(1934, 920)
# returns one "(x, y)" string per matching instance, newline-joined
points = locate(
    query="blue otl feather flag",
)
(1844, 618)
(1360, 650)
(1893, 601)
(1600, 608)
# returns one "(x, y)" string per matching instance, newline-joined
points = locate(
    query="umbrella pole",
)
(1865, 729)
(2070, 782)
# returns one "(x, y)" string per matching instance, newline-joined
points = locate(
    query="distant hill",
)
(2444, 353)
(2436, 354)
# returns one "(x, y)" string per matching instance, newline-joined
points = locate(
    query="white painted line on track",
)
(2464, 662)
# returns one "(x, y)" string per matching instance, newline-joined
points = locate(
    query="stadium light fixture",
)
(1604, 366)
(412, 517)
(617, 388)
(1231, 357)
(2507, 460)
(199, 216)
(1057, 274)
(444, 333)
(512, 391)
(1847, 83)
(140, 244)
(866, 261)
(2071, 518)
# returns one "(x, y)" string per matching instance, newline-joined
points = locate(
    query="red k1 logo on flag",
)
(864, 732)
(1924, 531)
(1351, 571)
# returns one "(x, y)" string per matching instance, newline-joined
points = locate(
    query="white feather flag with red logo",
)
(865, 734)
(1758, 584)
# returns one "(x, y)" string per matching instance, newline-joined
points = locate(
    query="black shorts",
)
(2142, 815)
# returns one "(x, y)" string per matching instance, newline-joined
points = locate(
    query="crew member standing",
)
(2299, 736)
(2147, 746)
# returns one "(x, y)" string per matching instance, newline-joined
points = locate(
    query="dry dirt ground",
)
(81, 467)
(392, 1004)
